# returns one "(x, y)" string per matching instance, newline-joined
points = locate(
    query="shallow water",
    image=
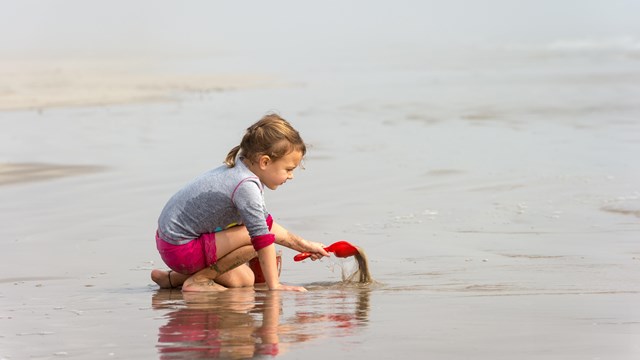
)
(448, 320)
(500, 234)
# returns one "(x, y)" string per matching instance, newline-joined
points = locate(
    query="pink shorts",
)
(191, 257)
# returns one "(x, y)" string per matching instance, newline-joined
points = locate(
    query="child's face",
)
(275, 173)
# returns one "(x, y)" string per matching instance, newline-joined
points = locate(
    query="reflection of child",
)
(235, 325)
(210, 228)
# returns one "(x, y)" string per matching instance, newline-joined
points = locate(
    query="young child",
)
(210, 228)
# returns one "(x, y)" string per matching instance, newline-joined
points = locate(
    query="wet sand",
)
(19, 173)
(497, 224)
(51, 83)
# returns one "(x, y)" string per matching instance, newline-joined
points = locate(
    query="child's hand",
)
(317, 250)
(283, 287)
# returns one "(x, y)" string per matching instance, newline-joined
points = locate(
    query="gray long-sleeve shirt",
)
(217, 199)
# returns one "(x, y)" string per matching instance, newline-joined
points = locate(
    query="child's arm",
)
(295, 242)
(267, 256)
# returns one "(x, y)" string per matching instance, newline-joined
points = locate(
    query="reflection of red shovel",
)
(340, 249)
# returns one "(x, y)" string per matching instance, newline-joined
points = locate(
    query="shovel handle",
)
(304, 255)
(301, 256)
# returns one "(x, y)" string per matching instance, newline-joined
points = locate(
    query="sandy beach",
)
(495, 190)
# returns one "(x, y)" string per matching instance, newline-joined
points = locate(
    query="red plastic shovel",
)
(340, 249)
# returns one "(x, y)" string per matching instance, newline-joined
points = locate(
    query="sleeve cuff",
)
(268, 349)
(262, 241)
(269, 221)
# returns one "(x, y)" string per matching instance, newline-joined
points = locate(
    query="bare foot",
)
(201, 284)
(163, 278)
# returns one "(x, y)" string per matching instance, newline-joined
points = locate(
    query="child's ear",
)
(264, 161)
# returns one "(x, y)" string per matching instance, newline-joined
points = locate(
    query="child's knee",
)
(242, 276)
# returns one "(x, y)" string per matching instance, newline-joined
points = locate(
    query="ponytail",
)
(230, 161)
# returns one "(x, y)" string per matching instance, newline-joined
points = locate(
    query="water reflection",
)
(243, 323)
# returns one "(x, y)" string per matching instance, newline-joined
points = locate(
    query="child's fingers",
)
(282, 287)
(321, 250)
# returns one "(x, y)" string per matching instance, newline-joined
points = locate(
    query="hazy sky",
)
(82, 27)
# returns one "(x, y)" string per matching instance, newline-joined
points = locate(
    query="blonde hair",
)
(272, 136)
